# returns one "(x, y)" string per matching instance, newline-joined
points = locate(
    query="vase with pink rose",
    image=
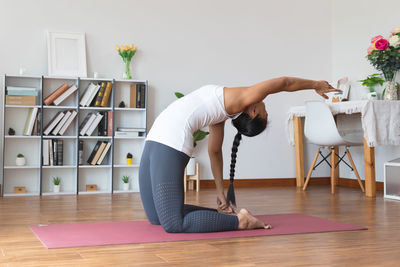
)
(384, 55)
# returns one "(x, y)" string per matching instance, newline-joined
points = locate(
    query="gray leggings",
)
(161, 189)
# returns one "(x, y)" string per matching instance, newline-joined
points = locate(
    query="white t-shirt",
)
(175, 126)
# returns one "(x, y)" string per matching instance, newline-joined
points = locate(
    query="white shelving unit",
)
(37, 178)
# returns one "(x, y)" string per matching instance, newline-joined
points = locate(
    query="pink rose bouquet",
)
(384, 53)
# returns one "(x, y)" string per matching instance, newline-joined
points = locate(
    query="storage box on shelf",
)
(107, 166)
(392, 179)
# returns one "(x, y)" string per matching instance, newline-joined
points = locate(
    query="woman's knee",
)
(172, 228)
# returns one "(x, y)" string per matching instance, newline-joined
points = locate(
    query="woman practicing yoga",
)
(169, 146)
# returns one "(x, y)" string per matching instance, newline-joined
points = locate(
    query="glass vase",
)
(390, 91)
(127, 73)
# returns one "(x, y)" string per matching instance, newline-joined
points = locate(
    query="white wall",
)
(354, 23)
(183, 45)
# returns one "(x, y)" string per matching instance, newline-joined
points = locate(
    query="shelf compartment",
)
(59, 167)
(21, 167)
(94, 166)
(59, 193)
(126, 166)
(21, 194)
(22, 106)
(58, 137)
(95, 108)
(129, 109)
(60, 107)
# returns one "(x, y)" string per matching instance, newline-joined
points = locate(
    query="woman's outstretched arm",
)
(238, 98)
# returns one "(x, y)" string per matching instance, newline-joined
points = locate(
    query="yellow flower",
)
(131, 47)
(134, 49)
(117, 47)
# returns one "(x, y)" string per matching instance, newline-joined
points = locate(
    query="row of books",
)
(137, 96)
(21, 95)
(60, 94)
(99, 152)
(96, 95)
(130, 132)
(60, 123)
(53, 152)
(101, 120)
(32, 122)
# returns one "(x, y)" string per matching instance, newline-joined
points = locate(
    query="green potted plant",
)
(371, 82)
(125, 185)
(20, 160)
(197, 136)
(56, 183)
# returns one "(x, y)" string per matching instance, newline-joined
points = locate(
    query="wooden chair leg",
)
(355, 169)
(197, 177)
(333, 156)
(311, 169)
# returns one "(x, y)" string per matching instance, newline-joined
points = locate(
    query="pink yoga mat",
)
(110, 233)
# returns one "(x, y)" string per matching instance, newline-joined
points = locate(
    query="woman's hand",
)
(225, 207)
(323, 87)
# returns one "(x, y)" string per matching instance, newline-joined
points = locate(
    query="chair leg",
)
(311, 169)
(355, 169)
(333, 170)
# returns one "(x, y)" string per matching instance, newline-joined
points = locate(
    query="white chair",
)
(320, 129)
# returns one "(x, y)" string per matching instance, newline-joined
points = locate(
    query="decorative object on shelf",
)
(371, 82)
(129, 159)
(11, 131)
(19, 189)
(20, 160)
(66, 54)
(384, 55)
(121, 104)
(91, 187)
(125, 185)
(197, 136)
(56, 182)
(22, 71)
(126, 52)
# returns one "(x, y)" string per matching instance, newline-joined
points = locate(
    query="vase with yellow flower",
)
(126, 52)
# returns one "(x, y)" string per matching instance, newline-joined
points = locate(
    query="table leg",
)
(369, 162)
(335, 160)
(298, 148)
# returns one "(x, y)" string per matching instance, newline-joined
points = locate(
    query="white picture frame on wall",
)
(66, 54)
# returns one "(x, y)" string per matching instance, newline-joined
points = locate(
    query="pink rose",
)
(370, 49)
(376, 38)
(381, 44)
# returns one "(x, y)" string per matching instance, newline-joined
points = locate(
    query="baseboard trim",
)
(345, 182)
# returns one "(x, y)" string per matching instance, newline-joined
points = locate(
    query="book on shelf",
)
(51, 153)
(30, 121)
(89, 94)
(59, 91)
(80, 152)
(27, 91)
(130, 129)
(92, 98)
(50, 126)
(104, 153)
(21, 100)
(46, 152)
(102, 128)
(110, 123)
(66, 125)
(129, 134)
(65, 95)
(36, 126)
(94, 124)
(100, 95)
(60, 152)
(57, 129)
(87, 122)
(94, 151)
(132, 96)
(140, 95)
(98, 153)
(107, 94)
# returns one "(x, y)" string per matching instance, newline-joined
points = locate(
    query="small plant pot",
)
(191, 166)
(20, 161)
(125, 186)
(56, 189)
(128, 161)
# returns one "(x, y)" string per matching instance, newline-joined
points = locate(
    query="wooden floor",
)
(378, 246)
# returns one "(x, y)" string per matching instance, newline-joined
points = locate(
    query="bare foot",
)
(248, 221)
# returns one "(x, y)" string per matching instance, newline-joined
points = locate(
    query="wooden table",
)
(369, 152)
